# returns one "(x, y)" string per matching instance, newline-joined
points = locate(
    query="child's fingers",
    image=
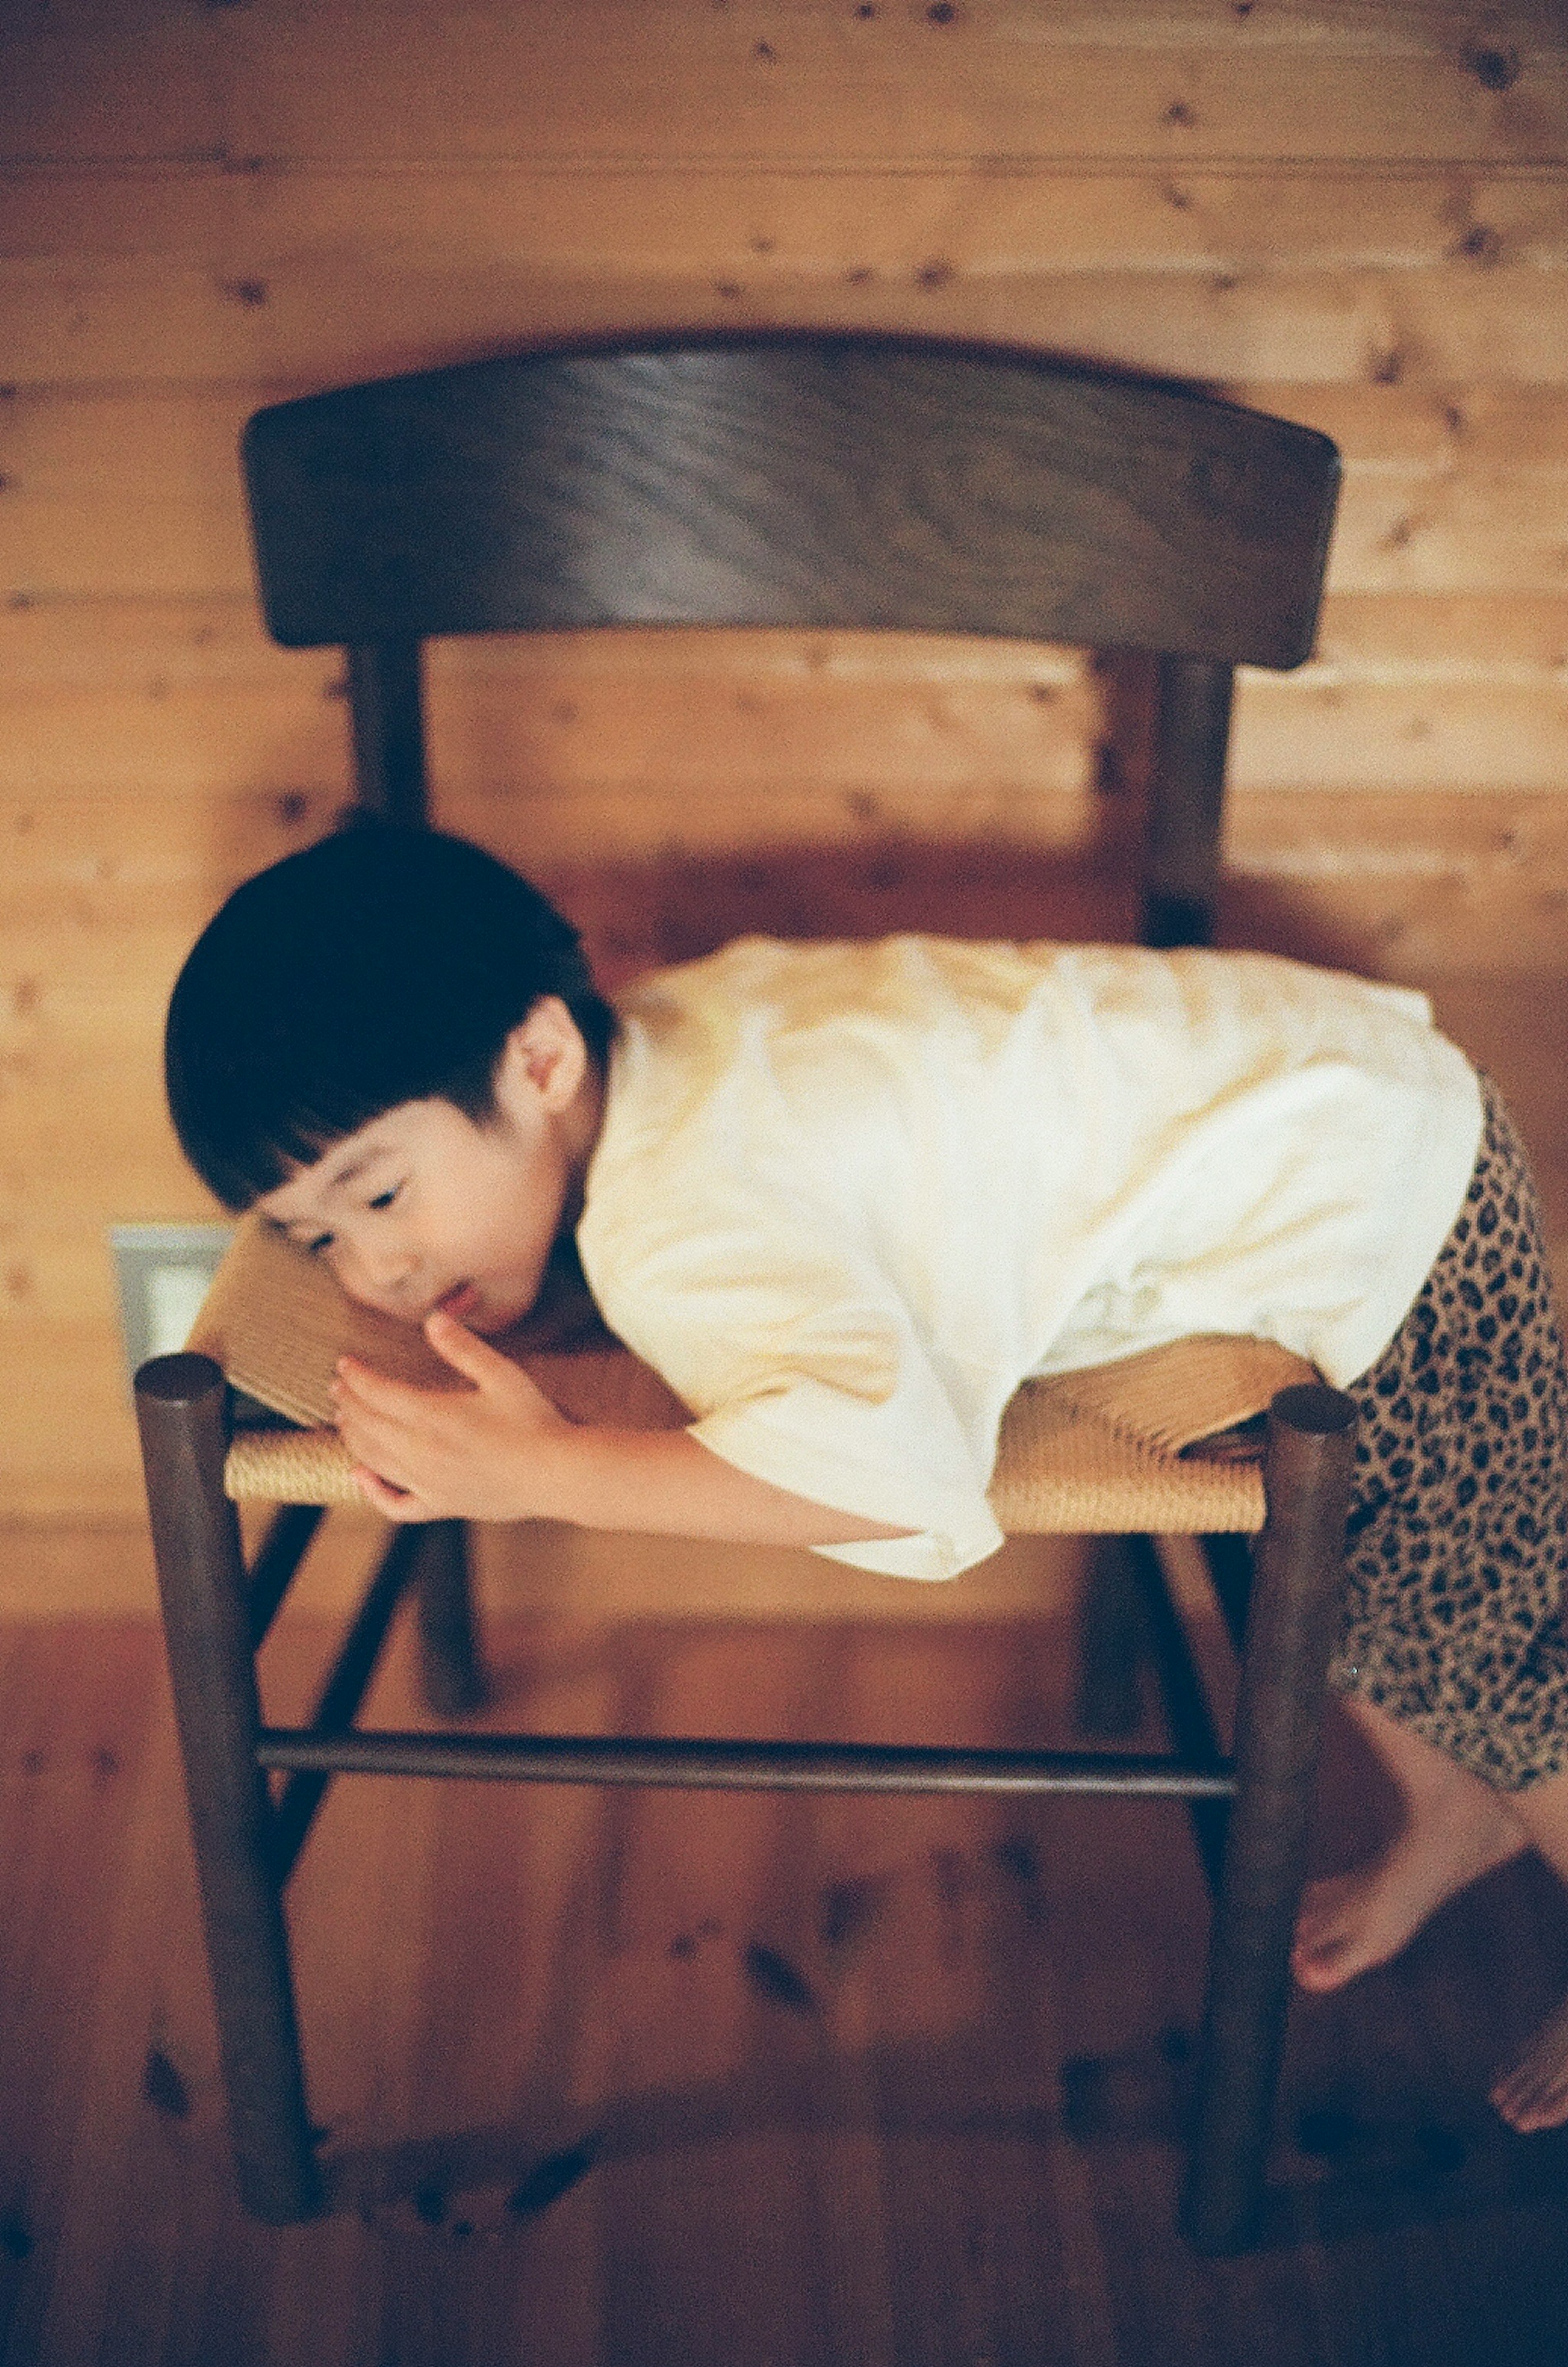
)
(374, 1436)
(508, 1386)
(363, 1384)
(465, 1350)
(377, 1450)
(395, 1502)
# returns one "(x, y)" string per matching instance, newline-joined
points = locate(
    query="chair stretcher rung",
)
(741, 1766)
(1189, 1716)
(347, 1683)
(275, 1566)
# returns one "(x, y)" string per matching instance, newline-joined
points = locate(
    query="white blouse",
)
(847, 1196)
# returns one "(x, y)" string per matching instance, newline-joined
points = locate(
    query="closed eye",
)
(319, 1243)
(385, 1200)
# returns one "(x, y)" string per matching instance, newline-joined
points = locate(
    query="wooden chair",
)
(820, 480)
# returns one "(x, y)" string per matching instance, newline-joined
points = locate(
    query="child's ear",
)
(546, 1055)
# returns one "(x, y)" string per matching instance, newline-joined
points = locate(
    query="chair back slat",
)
(807, 481)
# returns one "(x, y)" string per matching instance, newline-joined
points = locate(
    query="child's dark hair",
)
(379, 966)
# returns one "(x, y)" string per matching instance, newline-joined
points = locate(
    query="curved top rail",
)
(804, 480)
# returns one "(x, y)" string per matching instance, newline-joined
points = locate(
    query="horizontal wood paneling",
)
(986, 214)
(726, 714)
(1354, 214)
(1414, 637)
(84, 968)
(71, 1443)
(741, 723)
(83, 986)
(1320, 729)
(1402, 426)
(816, 82)
(1413, 887)
(132, 644)
(308, 322)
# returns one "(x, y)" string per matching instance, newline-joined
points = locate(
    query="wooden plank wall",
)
(1354, 212)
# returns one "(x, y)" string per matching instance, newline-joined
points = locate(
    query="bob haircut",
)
(383, 964)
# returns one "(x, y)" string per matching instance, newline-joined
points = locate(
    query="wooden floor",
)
(621, 2078)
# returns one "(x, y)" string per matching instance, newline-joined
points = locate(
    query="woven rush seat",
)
(1149, 1443)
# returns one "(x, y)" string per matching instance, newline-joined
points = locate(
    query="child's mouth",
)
(460, 1302)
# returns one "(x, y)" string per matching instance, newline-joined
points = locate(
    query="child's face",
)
(423, 1209)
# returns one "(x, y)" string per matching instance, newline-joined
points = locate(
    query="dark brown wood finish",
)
(180, 1408)
(247, 1848)
(386, 706)
(820, 480)
(810, 480)
(1187, 796)
(673, 1762)
(454, 1679)
(1298, 1562)
(815, 481)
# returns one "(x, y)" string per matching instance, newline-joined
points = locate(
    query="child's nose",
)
(385, 1268)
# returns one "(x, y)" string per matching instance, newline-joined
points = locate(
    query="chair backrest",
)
(807, 479)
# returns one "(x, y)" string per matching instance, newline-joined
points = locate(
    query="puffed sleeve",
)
(804, 1369)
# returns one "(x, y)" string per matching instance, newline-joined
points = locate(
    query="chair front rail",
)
(722, 1765)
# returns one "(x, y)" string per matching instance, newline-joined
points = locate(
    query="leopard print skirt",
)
(1457, 1547)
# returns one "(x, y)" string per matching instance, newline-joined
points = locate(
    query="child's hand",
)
(429, 1454)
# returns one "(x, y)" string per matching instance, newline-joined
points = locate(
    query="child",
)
(845, 1198)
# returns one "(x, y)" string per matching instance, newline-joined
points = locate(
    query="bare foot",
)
(1455, 1829)
(1534, 2094)
(1353, 1921)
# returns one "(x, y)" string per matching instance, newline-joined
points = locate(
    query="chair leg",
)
(1298, 1565)
(180, 1403)
(452, 1665)
(1111, 1645)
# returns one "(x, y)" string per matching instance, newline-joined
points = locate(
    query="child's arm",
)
(502, 1452)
